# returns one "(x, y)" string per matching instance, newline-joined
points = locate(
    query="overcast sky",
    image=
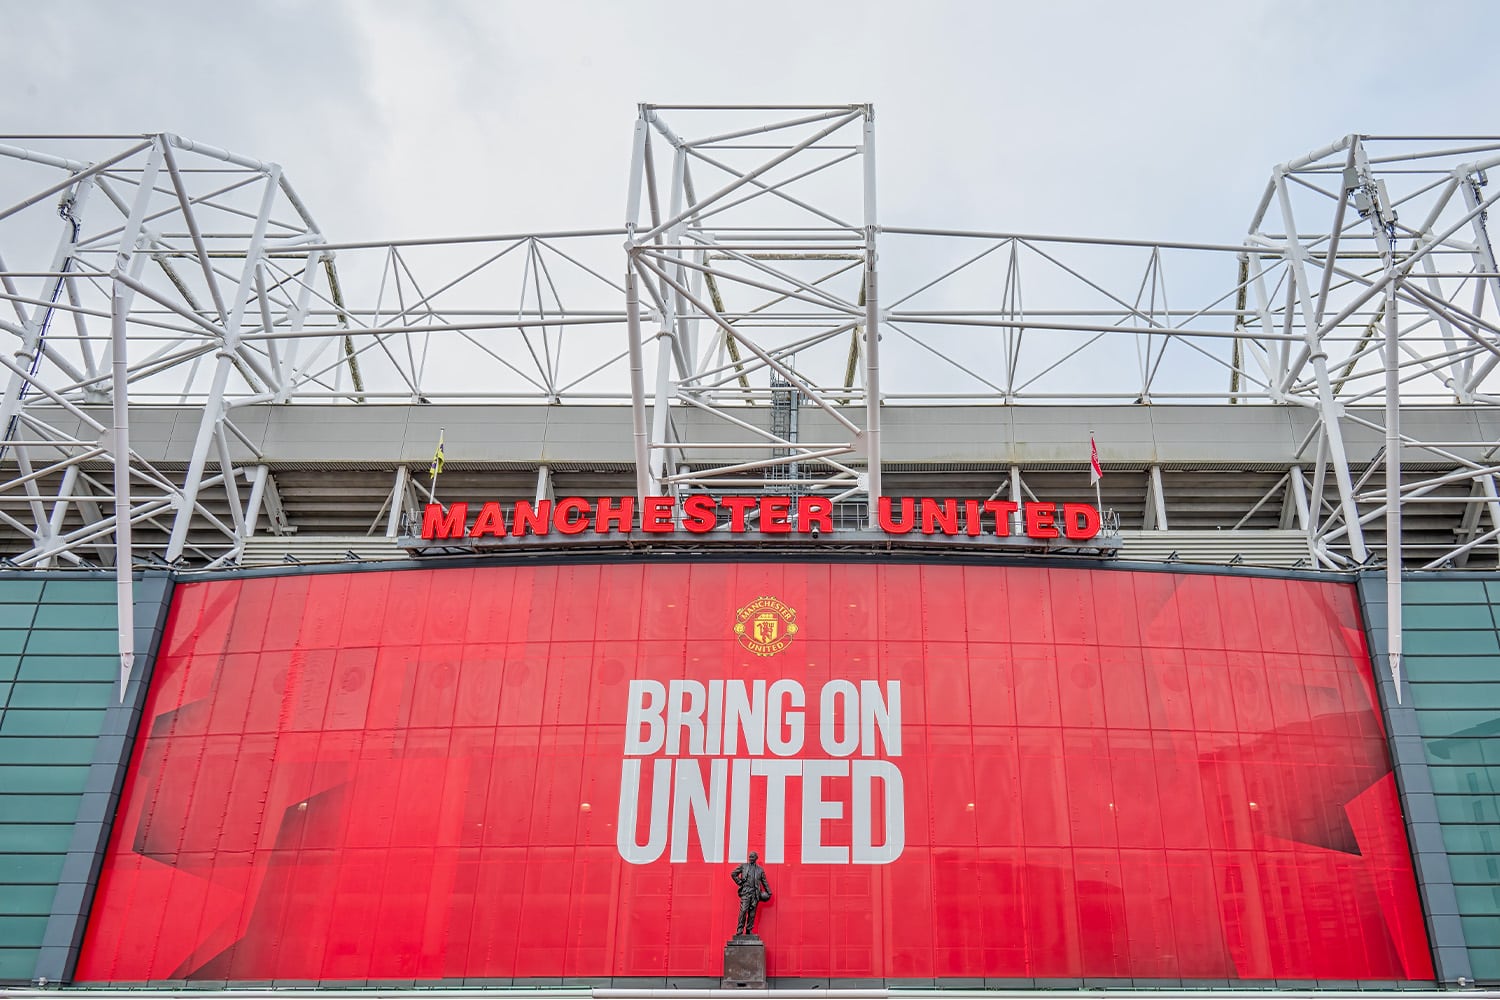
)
(411, 119)
(421, 119)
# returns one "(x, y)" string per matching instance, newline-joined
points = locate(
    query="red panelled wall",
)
(418, 775)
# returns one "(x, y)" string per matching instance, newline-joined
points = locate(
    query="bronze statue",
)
(754, 890)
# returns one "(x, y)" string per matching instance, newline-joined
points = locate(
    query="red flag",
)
(1095, 472)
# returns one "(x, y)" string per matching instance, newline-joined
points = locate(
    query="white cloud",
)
(402, 119)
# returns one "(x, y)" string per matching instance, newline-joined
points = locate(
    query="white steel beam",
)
(871, 438)
(213, 411)
(1156, 502)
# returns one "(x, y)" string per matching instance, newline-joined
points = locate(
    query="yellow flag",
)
(437, 458)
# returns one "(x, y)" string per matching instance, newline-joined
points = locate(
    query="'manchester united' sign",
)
(768, 515)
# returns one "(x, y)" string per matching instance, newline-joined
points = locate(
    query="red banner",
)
(948, 771)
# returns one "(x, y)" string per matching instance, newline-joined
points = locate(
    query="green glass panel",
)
(12, 640)
(79, 592)
(1468, 808)
(1482, 932)
(30, 869)
(1460, 750)
(1471, 838)
(83, 616)
(69, 641)
(1443, 592)
(1421, 669)
(27, 900)
(16, 615)
(52, 722)
(8, 667)
(1477, 869)
(38, 694)
(83, 668)
(1431, 695)
(1452, 642)
(17, 964)
(1479, 723)
(22, 591)
(47, 750)
(4, 694)
(22, 932)
(1485, 963)
(1423, 616)
(47, 779)
(35, 838)
(40, 808)
(1478, 900)
(1466, 780)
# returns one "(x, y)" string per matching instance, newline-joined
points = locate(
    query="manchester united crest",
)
(765, 626)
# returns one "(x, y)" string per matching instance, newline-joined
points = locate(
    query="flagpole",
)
(1095, 473)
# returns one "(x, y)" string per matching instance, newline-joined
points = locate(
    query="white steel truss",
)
(756, 276)
(167, 272)
(752, 262)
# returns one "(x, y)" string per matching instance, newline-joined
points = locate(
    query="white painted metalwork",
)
(1365, 290)
(759, 279)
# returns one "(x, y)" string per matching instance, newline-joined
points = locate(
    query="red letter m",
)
(437, 524)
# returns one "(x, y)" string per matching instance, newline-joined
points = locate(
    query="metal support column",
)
(1393, 550)
(873, 486)
(120, 446)
(637, 385)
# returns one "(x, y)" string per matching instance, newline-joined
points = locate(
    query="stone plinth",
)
(744, 963)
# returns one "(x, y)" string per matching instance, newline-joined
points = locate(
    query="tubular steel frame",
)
(1367, 282)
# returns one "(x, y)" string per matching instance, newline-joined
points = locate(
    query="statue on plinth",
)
(754, 890)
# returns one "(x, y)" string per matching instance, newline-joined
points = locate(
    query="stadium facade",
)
(454, 613)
